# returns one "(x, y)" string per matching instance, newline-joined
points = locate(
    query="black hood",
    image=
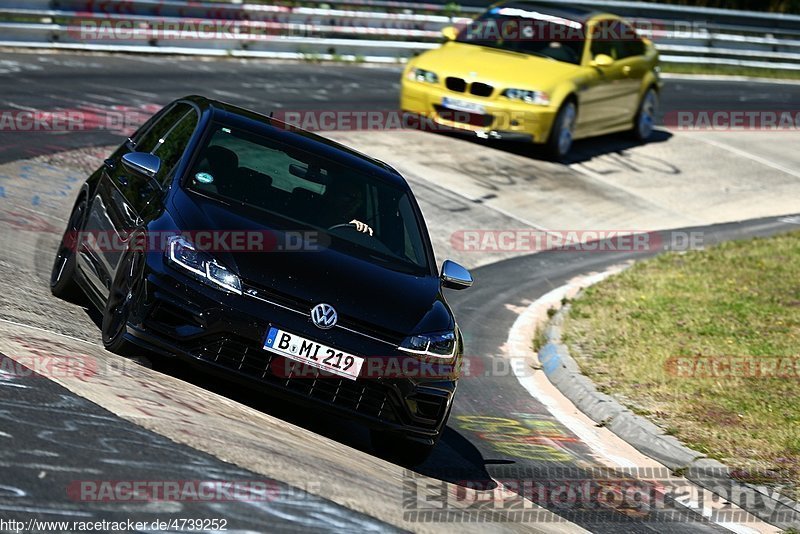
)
(362, 292)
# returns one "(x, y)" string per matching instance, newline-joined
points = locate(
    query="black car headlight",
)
(201, 265)
(539, 98)
(422, 75)
(438, 345)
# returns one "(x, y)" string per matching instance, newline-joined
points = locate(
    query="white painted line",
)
(23, 108)
(749, 155)
(519, 342)
(102, 98)
(725, 78)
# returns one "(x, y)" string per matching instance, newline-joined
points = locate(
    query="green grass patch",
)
(737, 302)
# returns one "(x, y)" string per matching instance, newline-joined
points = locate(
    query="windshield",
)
(527, 32)
(364, 215)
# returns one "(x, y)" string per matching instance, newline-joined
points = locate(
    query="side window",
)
(630, 44)
(602, 40)
(172, 145)
(152, 138)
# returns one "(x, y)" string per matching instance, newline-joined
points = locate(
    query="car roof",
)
(282, 131)
(573, 13)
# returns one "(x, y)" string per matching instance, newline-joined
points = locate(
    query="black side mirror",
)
(142, 163)
(454, 276)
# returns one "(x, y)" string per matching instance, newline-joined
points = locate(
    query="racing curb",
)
(563, 372)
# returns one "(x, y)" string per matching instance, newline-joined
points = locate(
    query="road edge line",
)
(563, 373)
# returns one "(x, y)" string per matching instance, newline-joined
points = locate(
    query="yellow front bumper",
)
(502, 118)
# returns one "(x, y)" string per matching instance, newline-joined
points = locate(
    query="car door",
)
(121, 196)
(631, 57)
(605, 89)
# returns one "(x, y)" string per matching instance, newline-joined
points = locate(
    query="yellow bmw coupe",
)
(548, 75)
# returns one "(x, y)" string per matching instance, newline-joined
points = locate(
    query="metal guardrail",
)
(372, 30)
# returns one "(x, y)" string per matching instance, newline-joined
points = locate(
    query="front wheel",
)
(122, 298)
(62, 277)
(645, 120)
(562, 133)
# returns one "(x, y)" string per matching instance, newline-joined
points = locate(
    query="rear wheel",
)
(396, 447)
(122, 297)
(645, 119)
(62, 277)
(563, 132)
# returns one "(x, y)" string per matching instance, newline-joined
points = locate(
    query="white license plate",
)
(462, 105)
(312, 353)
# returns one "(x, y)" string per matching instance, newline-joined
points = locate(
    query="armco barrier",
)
(379, 30)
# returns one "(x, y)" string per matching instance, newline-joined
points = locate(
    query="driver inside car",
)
(344, 204)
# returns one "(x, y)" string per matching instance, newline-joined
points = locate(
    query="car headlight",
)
(438, 345)
(205, 268)
(422, 75)
(531, 97)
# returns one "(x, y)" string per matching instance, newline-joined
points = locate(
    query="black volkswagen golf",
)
(275, 257)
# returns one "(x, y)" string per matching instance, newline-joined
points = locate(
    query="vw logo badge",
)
(324, 316)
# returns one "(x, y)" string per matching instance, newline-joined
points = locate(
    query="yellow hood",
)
(496, 67)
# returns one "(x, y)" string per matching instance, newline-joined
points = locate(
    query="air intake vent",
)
(481, 89)
(456, 84)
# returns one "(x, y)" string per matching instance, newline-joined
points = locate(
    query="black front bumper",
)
(223, 333)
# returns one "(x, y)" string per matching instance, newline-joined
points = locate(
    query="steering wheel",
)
(335, 226)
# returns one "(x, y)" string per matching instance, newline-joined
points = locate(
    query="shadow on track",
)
(582, 151)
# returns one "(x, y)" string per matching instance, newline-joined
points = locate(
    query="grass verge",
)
(707, 345)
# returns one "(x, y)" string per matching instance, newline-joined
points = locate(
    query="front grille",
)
(481, 89)
(464, 117)
(365, 396)
(455, 84)
(304, 307)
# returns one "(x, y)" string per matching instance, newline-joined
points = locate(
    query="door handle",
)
(109, 164)
(123, 180)
(626, 70)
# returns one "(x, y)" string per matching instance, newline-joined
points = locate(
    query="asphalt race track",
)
(318, 475)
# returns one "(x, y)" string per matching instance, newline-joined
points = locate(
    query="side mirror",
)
(142, 163)
(449, 33)
(602, 61)
(454, 276)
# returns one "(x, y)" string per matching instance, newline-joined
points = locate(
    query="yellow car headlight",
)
(422, 75)
(539, 98)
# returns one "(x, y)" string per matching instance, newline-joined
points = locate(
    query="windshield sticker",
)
(204, 178)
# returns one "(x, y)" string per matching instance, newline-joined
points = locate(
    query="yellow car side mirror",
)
(449, 33)
(602, 60)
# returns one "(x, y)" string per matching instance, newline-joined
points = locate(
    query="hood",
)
(500, 68)
(363, 293)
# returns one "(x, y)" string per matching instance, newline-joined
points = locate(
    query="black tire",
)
(562, 132)
(123, 296)
(644, 121)
(62, 276)
(398, 448)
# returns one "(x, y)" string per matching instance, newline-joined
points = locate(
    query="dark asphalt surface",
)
(50, 420)
(55, 441)
(120, 84)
